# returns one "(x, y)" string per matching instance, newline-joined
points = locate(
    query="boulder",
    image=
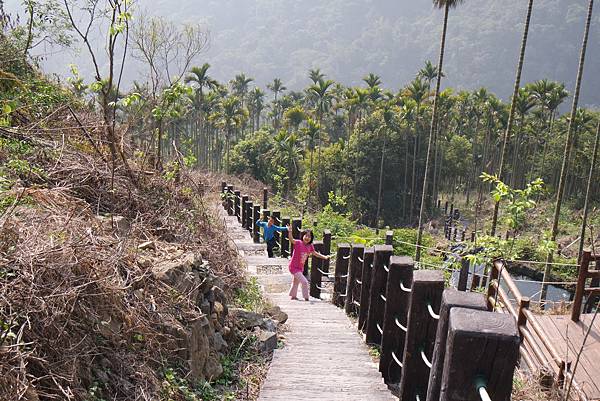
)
(213, 368)
(269, 325)
(218, 342)
(267, 340)
(245, 319)
(276, 313)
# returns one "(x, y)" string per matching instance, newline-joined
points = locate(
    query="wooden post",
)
(463, 276)
(462, 236)
(450, 299)
(491, 292)
(326, 248)
(426, 296)
(454, 234)
(377, 299)
(472, 236)
(285, 242)
(341, 272)
(439, 203)
(523, 305)
(316, 277)
(223, 186)
(367, 268)
(277, 216)
(482, 350)
(580, 289)
(249, 216)
(243, 210)
(230, 201)
(265, 198)
(451, 209)
(446, 207)
(255, 227)
(352, 301)
(237, 204)
(389, 238)
(395, 315)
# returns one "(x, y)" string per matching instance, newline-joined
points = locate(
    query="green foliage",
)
(519, 200)
(339, 224)
(405, 237)
(249, 296)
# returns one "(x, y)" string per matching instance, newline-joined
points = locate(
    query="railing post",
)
(446, 207)
(249, 216)
(316, 277)
(326, 248)
(450, 299)
(396, 312)
(223, 186)
(425, 300)
(285, 242)
(491, 291)
(472, 236)
(265, 198)
(389, 238)
(341, 272)
(255, 227)
(230, 201)
(244, 210)
(277, 216)
(367, 268)
(523, 305)
(377, 297)
(463, 275)
(481, 354)
(580, 289)
(237, 200)
(352, 301)
(462, 236)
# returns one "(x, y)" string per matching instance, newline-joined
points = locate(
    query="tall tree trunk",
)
(511, 115)
(380, 185)
(432, 129)
(567, 152)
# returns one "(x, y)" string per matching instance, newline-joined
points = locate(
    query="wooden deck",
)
(324, 357)
(567, 337)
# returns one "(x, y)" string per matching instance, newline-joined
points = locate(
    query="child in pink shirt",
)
(302, 250)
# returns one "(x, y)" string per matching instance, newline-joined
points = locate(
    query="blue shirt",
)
(269, 232)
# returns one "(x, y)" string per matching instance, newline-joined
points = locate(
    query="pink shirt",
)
(299, 256)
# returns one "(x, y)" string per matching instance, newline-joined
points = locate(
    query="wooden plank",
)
(341, 270)
(352, 301)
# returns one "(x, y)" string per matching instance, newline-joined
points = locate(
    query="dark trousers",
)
(270, 245)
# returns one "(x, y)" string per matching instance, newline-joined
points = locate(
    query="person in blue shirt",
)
(269, 229)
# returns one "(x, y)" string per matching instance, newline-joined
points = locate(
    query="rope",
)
(321, 288)
(424, 357)
(396, 359)
(386, 268)
(344, 276)
(356, 303)
(347, 257)
(379, 328)
(343, 295)
(432, 313)
(324, 273)
(403, 288)
(358, 282)
(404, 329)
(359, 259)
(383, 297)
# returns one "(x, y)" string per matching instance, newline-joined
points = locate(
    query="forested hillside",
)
(348, 39)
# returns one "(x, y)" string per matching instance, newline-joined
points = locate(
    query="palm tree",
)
(511, 115)
(525, 102)
(428, 73)
(417, 91)
(372, 80)
(287, 151)
(567, 152)
(311, 133)
(276, 87)
(230, 118)
(587, 193)
(256, 105)
(240, 86)
(315, 75)
(446, 5)
(294, 116)
(322, 98)
(198, 77)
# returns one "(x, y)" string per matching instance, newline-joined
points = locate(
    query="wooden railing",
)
(581, 290)
(536, 348)
(422, 329)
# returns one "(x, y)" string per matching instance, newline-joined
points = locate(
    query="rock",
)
(178, 274)
(276, 313)
(213, 368)
(226, 331)
(198, 349)
(267, 341)
(205, 307)
(269, 325)
(246, 319)
(218, 342)
(119, 224)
